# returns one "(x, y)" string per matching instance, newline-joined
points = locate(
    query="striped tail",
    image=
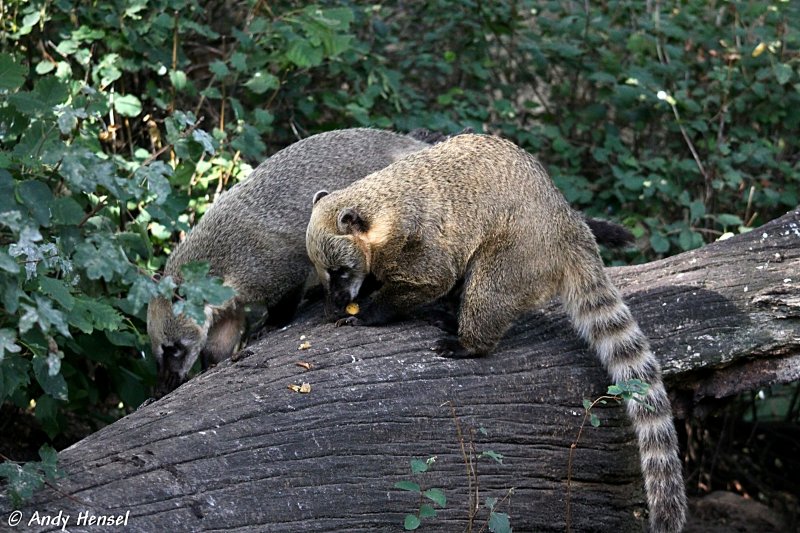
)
(602, 319)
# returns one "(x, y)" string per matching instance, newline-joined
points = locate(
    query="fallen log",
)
(236, 449)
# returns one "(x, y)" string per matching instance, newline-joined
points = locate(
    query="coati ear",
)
(350, 221)
(318, 195)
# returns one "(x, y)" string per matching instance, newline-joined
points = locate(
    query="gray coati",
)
(253, 237)
(478, 211)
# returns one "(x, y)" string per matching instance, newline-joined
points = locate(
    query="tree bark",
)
(236, 449)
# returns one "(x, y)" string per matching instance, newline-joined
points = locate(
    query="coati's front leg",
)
(392, 300)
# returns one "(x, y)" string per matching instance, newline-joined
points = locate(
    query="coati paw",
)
(452, 349)
(347, 321)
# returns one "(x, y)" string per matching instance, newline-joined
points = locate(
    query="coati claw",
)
(451, 349)
(347, 321)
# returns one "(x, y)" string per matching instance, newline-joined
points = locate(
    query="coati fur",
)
(253, 237)
(481, 212)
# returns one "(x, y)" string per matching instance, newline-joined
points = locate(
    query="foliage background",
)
(120, 122)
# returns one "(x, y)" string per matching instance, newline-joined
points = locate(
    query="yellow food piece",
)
(305, 346)
(305, 388)
(352, 308)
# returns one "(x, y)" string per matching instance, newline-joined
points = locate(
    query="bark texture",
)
(236, 450)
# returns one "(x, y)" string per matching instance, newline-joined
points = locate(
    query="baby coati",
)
(478, 211)
(253, 238)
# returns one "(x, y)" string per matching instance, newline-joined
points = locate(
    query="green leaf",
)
(490, 502)
(8, 263)
(239, 61)
(696, 210)
(218, 68)
(689, 240)
(47, 415)
(89, 314)
(783, 73)
(49, 461)
(8, 343)
(411, 522)
(206, 140)
(302, 54)
(729, 220)
(66, 211)
(157, 175)
(43, 315)
(499, 523)
(141, 292)
(58, 291)
(659, 243)
(38, 198)
(130, 387)
(51, 381)
(436, 496)
(67, 47)
(51, 91)
(11, 74)
(587, 404)
(338, 17)
(418, 466)
(407, 485)
(426, 510)
(497, 457)
(614, 390)
(178, 79)
(199, 289)
(127, 105)
(68, 118)
(23, 481)
(593, 420)
(13, 375)
(262, 82)
(31, 19)
(101, 258)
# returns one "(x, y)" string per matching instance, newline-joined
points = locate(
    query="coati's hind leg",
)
(490, 303)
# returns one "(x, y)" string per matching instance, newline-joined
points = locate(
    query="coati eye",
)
(173, 350)
(170, 351)
(338, 273)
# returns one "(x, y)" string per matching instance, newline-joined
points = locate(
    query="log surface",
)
(236, 450)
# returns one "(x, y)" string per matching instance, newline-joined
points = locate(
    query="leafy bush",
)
(121, 121)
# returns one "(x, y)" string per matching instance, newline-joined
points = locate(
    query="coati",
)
(253, 238)
(479, 211)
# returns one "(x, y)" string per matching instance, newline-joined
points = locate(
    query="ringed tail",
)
(602, 319)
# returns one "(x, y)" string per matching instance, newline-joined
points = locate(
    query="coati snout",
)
(176, 341)
(343, 273)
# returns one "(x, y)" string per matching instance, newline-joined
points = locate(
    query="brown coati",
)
(478, 211)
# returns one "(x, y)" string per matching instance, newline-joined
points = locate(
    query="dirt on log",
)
(235, 449)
